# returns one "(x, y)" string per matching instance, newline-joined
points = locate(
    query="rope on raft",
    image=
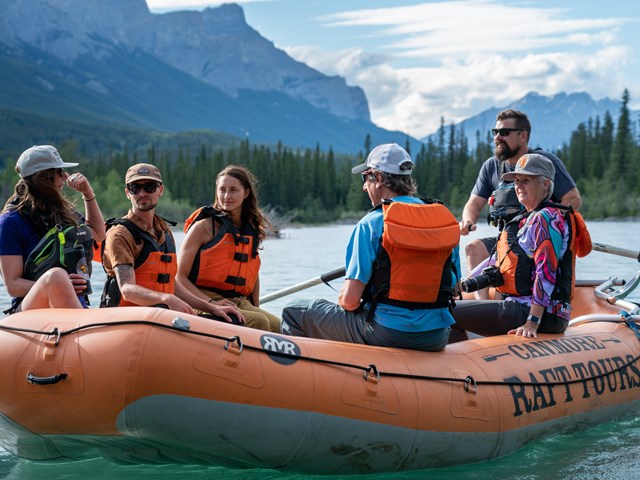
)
(371, 368)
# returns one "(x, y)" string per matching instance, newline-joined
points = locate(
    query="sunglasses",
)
(366, 176)
(505, 132)
(56, 171)
(136, 188)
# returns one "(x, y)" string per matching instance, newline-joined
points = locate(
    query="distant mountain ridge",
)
(113, 61)
(553, 118)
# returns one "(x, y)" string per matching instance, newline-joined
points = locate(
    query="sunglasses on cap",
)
(505, 132)
(136, 188)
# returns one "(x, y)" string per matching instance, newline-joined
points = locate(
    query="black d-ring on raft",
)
(470, 385)
(372, 369)
(235, 339)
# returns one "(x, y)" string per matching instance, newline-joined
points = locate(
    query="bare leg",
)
(476, 253)
(52, 290)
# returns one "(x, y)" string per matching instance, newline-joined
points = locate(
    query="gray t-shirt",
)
(489, 177)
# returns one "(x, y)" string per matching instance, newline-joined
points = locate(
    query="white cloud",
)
(472, 26)
(413, 99)
(455, 58)
(479, 54)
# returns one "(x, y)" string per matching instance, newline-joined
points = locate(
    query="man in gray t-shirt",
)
(511, 139)
(489, 178)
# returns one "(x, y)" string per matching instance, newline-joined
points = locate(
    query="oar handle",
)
(333, 275)
(324, 278)
(622, 252)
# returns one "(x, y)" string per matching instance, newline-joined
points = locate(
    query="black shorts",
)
(489, 243)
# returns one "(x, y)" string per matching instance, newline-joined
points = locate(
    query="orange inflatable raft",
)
(149, 385)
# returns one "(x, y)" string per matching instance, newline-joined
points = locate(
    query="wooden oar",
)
(622, 252)
(324, 278)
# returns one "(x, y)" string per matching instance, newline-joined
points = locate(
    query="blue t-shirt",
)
(363, 249)
(18, 236)
(489, 176)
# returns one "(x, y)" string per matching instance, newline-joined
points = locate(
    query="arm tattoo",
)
(125, 274)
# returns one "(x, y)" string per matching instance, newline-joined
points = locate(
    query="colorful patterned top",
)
(544, 237)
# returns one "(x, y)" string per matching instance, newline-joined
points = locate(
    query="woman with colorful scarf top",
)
(538, 299)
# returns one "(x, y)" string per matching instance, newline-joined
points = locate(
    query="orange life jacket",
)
(229, 263)
(517, 268)
(155, 268)
(413, 268)
(514, 264)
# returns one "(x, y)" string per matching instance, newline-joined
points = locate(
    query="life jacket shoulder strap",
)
(140, 236)
(208, 211)
(429, 200)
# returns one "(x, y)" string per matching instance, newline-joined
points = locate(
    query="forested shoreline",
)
(316, 186)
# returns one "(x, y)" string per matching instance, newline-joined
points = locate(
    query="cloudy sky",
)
(418, 61)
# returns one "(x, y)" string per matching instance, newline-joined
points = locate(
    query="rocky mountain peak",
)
(215, 46)
(226, 17)
(553, 118)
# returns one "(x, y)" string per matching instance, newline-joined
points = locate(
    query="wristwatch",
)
(533, 319)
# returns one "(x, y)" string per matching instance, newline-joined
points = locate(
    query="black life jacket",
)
(503, 202)
(53, 250)
(59, 247)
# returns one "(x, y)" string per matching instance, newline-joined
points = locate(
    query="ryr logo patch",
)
(283, 345)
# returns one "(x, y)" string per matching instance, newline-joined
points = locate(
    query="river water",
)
(609, 451)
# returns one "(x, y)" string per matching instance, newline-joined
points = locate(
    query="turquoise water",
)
(609, 451)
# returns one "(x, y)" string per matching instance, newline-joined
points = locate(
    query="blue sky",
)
(418, 61)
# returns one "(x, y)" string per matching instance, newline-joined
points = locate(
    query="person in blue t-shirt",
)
(393, 295)
(36, 207)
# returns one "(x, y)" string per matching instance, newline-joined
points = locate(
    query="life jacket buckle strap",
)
(241, 257)
(237, 281)
(166, 258)
(164, 278)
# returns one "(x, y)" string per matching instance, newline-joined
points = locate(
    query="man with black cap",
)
(402, 265)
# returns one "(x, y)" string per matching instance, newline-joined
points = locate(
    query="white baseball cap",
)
(38, 158)
(388, 158)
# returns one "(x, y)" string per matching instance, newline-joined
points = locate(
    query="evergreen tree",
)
(407, 145)
(367, 145)
(622, 151)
